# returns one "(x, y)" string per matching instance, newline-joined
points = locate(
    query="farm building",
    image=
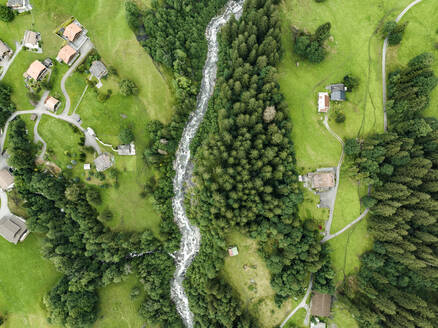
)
(323, 102)
(320, 304)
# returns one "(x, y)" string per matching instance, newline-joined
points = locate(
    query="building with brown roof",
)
(6, 180)
(72, 31)
(66, 54)
(31, 40)
(35, 71)
(322, 180)
(51, 103)
(323, 102)
(19, 5)
(320, 304)
(5, 51)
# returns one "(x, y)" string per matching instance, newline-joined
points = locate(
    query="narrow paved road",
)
(303, 304)
(348, 226)
(89, 140)
(85, 50)
(18, 48)
(338, 176)
(37, 138)
(384, 51)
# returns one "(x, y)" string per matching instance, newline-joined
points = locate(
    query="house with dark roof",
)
(320, 305)
(338, 92)
(13, 228)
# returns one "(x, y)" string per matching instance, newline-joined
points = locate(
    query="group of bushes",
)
(311, 46)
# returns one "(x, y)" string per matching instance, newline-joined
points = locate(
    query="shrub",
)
(128, 88)
(394, 32)
(126, 135)
(340, 117)
(311, 47)
(106, 215)
(135, 291)
(351, 82)
(6, 14)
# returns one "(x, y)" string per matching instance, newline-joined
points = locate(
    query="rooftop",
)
(51, 103)
(31, 38)
(103, 162)
(66, 54)
(126, 149)
(233, 251)
(321, 304)
(16, 3)
(4, 49)
(13, 228)
(323, 180)
(98, 69)
(6, 179)
(323, 102)
(35, 70)
(72, 31)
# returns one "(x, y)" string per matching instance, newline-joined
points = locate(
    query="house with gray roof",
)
(337, 92)
(104, 162)
(98, 69)
(13, 228)
(6, 180)
(126, 150)
(19, 5)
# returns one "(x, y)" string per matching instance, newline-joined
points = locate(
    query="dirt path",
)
(384, 51)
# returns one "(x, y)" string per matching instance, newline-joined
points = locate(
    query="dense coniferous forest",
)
(398, 279)
(6, 105)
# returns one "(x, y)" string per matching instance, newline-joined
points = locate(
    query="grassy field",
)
(25, 278)
(248, 275)
(341, 316)
(297, 321)
(117, 308)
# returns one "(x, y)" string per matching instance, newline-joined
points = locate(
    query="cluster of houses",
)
(12, 227)
(337, 93)
(75, 36)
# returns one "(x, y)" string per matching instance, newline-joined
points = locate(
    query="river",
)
(191, 237)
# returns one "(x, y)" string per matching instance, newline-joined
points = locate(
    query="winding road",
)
(85, 50)
(384, 51)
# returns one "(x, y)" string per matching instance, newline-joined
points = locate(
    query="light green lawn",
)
(117, 308)
(62, 142)
(257, 296)
(25, 277)
(297, 321)
(341, 317)
(420, 36)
